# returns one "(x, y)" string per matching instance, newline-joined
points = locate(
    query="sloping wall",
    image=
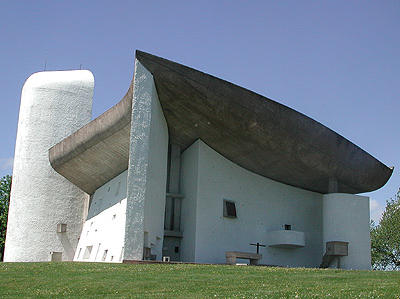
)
(147, 171)
(262, 205)
(103, 234)
(189, 188)
(53, 105)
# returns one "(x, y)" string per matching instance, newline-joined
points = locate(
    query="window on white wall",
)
(229, 209)
(288, 227)
(104, 255)
(79, 253)
(87, 253)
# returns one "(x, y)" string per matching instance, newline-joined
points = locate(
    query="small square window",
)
(288, 227)
(61, 227)
(229, 209)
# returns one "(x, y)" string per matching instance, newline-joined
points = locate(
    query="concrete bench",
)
(231, 257)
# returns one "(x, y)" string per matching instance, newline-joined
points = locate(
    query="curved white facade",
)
(262, 206)
(129, 217)
(346, 218)
(53, 105)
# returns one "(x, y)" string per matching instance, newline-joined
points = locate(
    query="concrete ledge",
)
(286, 239)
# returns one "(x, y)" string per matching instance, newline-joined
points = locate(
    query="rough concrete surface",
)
(251, 130)
(147, 174)
(53, 105)
(258, 133)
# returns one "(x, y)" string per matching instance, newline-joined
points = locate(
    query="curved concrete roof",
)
(97, 152)
(253, 131)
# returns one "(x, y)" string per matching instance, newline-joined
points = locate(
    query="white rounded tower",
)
(46, 210)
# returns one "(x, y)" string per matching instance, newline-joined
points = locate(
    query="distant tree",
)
(5, 189)
(385, 237)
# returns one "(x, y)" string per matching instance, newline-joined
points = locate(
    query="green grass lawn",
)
(183, 281)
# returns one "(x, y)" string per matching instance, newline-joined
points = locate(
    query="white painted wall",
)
(156, 178)
(147, 171)
(104, 229)
(346, 218)
(53, 105)
(189, 188)
(262, 205)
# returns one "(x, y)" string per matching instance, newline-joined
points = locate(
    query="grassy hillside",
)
(171, 281)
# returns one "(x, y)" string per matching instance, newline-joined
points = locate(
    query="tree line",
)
(5, 189)
(385, 237)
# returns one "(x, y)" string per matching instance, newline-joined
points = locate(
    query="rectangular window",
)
(229, 209)
(97, 252)
(79, 253)
(87, 253)
(61, 227)
(104, 255)
(288, 227)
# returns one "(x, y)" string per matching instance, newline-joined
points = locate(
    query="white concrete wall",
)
(53, 105)
(147, 171)
(262, 205)
(156, 178)
(104, 229)
(346, 218)
(189, 188)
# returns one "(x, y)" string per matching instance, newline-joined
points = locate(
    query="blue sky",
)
(335, 61)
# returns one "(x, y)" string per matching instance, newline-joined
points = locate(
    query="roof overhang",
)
(97, 152)
(252, 131)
